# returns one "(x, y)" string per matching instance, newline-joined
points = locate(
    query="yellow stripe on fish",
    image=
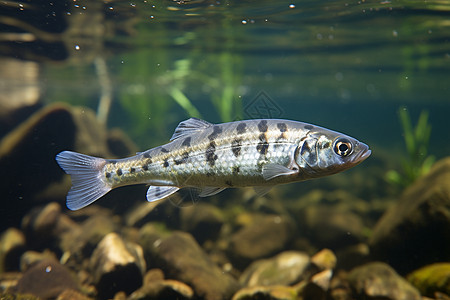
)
(259, 153)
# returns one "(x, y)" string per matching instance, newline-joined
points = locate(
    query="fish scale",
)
(259, 153)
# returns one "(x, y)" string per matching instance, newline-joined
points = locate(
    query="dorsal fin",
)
(188, 127)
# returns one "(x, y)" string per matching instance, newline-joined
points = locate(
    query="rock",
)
(324, 259)
(30, 258)
(332, 227)
(267, 293)
(203, 221)
(156, 287)
(378, 280)
(81, 241)
(408, 234)
(181, 258)
(12, 245)
(71, 295)
(265, 236)
(431, 279)
(46, 279)
(352, 256)
(40, 223)
(284, 269)
(117, 266)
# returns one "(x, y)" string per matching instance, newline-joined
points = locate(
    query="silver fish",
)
(259, 153)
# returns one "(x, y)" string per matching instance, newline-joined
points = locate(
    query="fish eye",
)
(342, 147)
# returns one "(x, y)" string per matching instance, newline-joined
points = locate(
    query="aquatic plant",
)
(417, 162)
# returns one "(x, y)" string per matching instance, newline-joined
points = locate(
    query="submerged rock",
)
(156, 287)
(416, 231)
(284, 269)
(431, 279)
(12, 245)
(379, 281)
(46, 279)
(181, 258)
(117, 266)
(264, 236)
(203, 221)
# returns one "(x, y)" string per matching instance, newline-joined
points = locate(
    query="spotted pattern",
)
(217, 130)
(145, 167)
(262, 126)
(164, 150)
(282, 127)
(263, 144)
(210, 153)
(119, 172)
(166, 163)
(236, 170)
(236, 146)
(309, 127)
(108, 175)
(183, 159)
(132, 170)
(241, 128)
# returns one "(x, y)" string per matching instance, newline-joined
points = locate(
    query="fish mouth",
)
(362, 154)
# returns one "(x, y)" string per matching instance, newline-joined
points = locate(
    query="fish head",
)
(324, 152)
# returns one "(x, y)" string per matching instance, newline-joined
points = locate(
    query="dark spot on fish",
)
(165, 164)
(262, 138)
(309, 127)
(211, 156)
(132, 170)
(241, 128)
(236, 170)
(113, 161)
(209, 174)
(164, 150)
(216, 131)
(229, 183)
(107, 175)
(262, 126)
(187, 142)
(119, 172)
(145, 167)
(183, 159)
(236, 147)
(262, 148)
(146, 155)
(282, 127)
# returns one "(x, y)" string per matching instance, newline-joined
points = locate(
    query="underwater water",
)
(112, 78)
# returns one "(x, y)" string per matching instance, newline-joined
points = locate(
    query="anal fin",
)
(156, 192)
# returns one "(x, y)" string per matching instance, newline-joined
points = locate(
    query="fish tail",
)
(88, 182)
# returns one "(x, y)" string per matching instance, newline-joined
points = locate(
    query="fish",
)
(258, 153)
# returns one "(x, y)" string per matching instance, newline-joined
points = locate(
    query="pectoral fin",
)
(262, 190)
(271, 171)
(156, 193)
(209, 191)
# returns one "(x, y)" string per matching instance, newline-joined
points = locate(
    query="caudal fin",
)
(87, 179)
